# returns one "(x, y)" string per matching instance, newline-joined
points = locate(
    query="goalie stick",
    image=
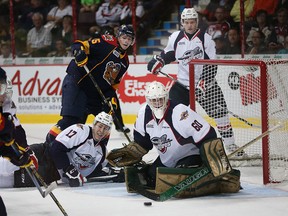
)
(35, 177)
(255, 140)
(199, 173)
(196, 176)
(106, 101)
(230, 112)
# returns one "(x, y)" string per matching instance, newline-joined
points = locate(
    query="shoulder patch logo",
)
(184, 115)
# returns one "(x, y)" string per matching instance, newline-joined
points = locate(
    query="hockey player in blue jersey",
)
(107, 61)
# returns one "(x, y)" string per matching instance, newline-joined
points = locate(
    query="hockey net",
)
(256, 93)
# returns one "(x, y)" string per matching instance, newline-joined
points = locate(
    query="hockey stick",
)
(238, 117)
(255, 140)
(174, 190)
(34, 175)
(106, 102)
(218, 105)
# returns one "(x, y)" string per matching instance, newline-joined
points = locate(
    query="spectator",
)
(5, 49)
(55, 15)
(4, 33)
(282, 4)
(279, 31)
(285, 49)
(220, 44)
(60, 49)
(65, 31)
(258, 43)
(234, 46)
(39, 39)
(262, 24)
(126, 14)
(235, 11)
(25, 18)
(221, 26)
(108, 14)
(209, 12)
(89, 5)
(267, 5)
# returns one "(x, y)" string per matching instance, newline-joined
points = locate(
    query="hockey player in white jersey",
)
(183, 46)
(177, 132)
(80, 150)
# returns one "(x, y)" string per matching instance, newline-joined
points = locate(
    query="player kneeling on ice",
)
(185, 142)
(80, 150)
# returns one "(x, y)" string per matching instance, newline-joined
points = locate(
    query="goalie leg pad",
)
(169, 177)
(214, 156)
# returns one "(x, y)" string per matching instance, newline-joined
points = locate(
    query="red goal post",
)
(256, 95)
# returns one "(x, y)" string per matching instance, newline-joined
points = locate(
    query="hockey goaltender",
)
(192, 160)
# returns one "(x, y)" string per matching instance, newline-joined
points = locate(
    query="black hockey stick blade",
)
(102, 178)
(144, 192)
(174, 190)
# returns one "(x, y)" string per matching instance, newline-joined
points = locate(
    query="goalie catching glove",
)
(128, 155)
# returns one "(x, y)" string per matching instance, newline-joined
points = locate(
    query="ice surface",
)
(111, 199)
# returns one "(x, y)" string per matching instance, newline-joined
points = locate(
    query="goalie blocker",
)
(221, 178)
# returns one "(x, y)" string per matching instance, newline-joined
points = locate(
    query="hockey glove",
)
(80, 58)
(128, 155)
(20, 158)
(155, 64)
(74, 177)
(33, 158)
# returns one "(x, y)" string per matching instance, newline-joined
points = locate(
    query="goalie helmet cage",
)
(256, 95)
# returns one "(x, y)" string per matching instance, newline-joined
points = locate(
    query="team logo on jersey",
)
(196, 53)
(111, 71)
(161, 143)
(184, 115)
(84, 161)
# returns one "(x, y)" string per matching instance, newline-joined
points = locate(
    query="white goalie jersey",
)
(175, 136)
(84, 153)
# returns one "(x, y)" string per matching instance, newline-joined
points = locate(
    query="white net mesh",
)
(243, 92)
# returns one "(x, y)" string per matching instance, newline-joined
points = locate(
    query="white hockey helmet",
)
(157, 98)
(189, 13)
(103, 118)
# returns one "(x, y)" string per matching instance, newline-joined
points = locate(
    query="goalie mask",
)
(157, 98)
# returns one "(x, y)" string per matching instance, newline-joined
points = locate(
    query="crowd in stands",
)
(45, 27)
(265, 28)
